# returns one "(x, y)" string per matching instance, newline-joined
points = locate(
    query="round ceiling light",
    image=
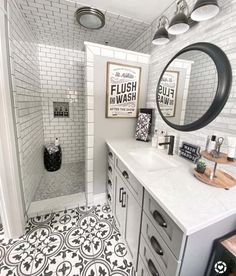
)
(90, 18)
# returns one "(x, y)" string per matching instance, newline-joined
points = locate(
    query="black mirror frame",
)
(223, 89)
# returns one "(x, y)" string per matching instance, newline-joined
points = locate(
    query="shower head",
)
(90, 18)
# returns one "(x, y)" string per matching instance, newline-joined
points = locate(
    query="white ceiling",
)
(145, 10)
(53, 21)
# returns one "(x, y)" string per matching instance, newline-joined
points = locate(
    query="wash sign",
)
(167, 92)
(123, 85)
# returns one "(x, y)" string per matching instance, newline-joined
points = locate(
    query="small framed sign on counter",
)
(190, 152)
(123, 87)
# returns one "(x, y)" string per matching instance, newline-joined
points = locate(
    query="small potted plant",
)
(201, 166)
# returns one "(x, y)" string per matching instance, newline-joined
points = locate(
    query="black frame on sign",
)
(224, 71)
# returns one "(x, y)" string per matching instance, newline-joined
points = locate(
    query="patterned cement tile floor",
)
(75, 242)
(53, 183)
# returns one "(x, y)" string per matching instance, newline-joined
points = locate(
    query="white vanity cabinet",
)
(158, 241)
(127, 205)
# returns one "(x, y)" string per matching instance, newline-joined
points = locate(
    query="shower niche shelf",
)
(61, 110)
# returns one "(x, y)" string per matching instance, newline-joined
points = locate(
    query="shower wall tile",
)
(62, 80)
(219, 31)
(27, 100)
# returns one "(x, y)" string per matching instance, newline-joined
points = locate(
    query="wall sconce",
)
(161, 36)
(204, 10)
(180, 22)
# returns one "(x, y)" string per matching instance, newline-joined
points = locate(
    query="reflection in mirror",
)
(188, 87)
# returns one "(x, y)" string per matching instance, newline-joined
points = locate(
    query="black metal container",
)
(52, 161)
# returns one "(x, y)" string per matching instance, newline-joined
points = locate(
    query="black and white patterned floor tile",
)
(76, 242)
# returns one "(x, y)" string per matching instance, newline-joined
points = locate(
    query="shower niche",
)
(61, 110)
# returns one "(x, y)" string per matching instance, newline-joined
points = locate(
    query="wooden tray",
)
(222, 179)
(222, 159)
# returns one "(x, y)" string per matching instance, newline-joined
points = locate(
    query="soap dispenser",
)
(161, 139)
(155, 139)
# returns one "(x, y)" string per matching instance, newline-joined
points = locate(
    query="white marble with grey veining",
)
(192, 204)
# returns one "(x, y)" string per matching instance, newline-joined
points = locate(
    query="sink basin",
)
(151, 160)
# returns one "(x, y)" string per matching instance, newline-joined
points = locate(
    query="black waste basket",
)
(52, 161)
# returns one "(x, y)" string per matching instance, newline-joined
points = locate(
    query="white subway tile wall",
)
(27, 101)
(220, 31)
(62, 80)
(54, 23)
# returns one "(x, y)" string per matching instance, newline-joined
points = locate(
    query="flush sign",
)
(61, 109)
(190, 152)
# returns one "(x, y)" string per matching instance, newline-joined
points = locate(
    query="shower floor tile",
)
(76, 242)
(66, 181)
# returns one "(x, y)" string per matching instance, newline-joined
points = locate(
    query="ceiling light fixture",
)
(204, 10)
(90, 18)
(180, 22)
(161, 36)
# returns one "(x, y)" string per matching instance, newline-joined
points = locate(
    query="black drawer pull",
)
(125, 174)
(156, 246)
(109, 182)
(120, 195)
(110, 169)
(122, 203)
(110, 154)
(159, 219)
(152, 268)
(109, 197)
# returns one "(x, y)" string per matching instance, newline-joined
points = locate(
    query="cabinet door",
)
(120, 209)
(132, 224)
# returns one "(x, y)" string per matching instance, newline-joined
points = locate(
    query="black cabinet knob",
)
(156, 246)
(159, 219)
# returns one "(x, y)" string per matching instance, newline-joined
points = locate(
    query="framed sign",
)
(123, 86)
(167, 93)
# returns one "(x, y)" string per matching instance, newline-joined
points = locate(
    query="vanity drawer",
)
(166, 227)
(110, 169)
(149, 260)
(110, 155)
(142, 269)
(159, 249)
(130, 180)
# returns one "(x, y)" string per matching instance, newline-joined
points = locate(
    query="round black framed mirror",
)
(194, 87)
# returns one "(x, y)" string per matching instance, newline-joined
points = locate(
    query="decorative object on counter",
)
(199, 55)
(201, 166)
(161, 140)
(52, 157)
(212, 144)
(216, 177)
(123, 86)
(216, 152)
(57, 142)
(170, 144)
(155, 139)
(190, 152)
(148, 111)
(142, 128)
(231, 148)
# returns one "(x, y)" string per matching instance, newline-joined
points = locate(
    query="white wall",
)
(220, 31)
(27, 100)
(95, 110)
(62, 80)
(108, 128)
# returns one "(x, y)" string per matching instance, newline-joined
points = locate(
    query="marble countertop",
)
(192, 204)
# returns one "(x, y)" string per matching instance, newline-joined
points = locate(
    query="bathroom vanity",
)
(167, 218)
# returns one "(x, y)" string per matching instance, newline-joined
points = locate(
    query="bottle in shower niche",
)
(212, 144)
